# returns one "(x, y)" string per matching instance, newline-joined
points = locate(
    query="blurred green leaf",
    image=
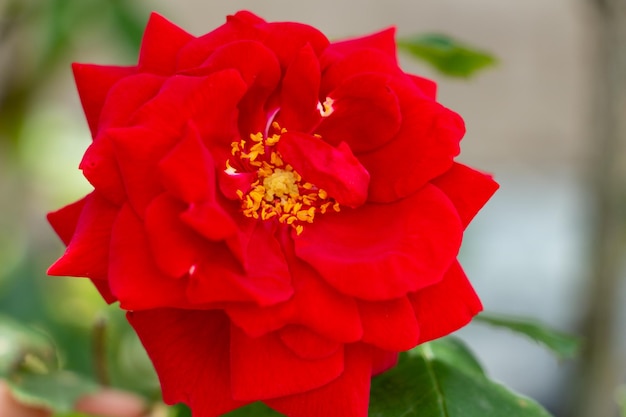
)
(563, 345)
(129, 23)
(58, 391)
(443, 379)
(447, 55)
(257, 409)
(179, 410)
(24, 349)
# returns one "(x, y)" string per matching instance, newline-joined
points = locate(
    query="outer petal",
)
(287, 39)
(467, 188)
(308, 344)
(346, 396)
(446, 306)
(64, 220)
(383, 41)
(93, 83)
(389, 325)
(380, 252)
(87, 253)
(383, 360)
(162, 40)
(190, 352)
(264, 368)
(133, 276)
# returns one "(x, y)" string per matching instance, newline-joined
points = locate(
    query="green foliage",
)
(58, 390)
(563, 345)
(443, 379)
(447, 55)
(23, 349)
(179, 410)
(257, 409)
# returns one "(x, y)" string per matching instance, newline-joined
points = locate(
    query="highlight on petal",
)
(410, 243)
(162, 40)
(190, 352)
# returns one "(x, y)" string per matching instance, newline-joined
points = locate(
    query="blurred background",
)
(548, 121)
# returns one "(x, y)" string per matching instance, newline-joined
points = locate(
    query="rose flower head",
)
(280, 215)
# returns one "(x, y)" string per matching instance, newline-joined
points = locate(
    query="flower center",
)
(279, 191)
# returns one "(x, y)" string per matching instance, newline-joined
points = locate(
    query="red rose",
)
(280, 215)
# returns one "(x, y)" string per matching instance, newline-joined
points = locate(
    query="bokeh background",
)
(550, 244)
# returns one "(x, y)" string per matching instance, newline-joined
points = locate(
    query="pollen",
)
(278, 193)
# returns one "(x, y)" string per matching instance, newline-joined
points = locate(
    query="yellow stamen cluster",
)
(279, 191)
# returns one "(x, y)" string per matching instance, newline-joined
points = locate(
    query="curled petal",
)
(93, 83)
(287, 39)
(446, 306)
(133, 275)
(300, 92)
(264, 368)
(162, 40)
(379, 252)
(423, 149)
(366, 113)
(65, 220)
(190, 352)
(467, 188)
(101, 170)
(383, 41)
(389, 325)
(335, 170)
(306, 343)
(87, 253)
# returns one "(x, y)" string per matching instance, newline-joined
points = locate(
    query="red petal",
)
(423, 149)
(190, 352)
(383, 360)
(128, 95)
(389, 325)
(87, 254)
(307, 344)
(300, 93)
(366, 113)
(467, 188)
(383, 251)
(335, 72)
(346, 396)
(426, 86)
(101, 170)
(93, 83)
(264, 367)
(383, 41)
(335, 170)
(446, 306)
(314, 304)
(241, 26)
(175, 247)
(287, 39)
(138, 151)
(105, 290)
(133, 275)
(265, 281)
(64, 220)
(162, 40)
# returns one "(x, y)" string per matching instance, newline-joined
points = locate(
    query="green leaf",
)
(179, 410)
(447, 55)
(257, 409)
(24, 349)
(57, 391)
(443, 379)
(563, 345)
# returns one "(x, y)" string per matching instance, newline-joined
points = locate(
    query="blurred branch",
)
(600, 365)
